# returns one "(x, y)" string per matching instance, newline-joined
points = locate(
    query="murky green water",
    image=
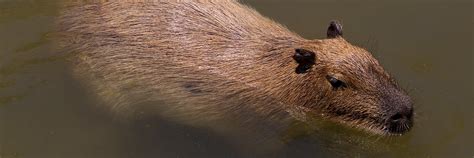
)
(426, 45)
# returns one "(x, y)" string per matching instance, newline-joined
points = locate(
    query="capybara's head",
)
(352, 87)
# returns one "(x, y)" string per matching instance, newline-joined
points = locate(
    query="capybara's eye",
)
(335, 83)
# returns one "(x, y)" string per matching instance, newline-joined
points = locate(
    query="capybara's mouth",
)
(398, 128)
(393, 127)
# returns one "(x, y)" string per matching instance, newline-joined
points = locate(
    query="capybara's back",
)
(208, 60)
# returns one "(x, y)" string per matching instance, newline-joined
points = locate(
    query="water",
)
(426, 45)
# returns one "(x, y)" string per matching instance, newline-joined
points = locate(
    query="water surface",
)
(426, 45)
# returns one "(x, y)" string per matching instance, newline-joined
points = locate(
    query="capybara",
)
(198, 61)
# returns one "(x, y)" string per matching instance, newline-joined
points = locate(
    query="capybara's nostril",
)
(397, 117)
(400, 122)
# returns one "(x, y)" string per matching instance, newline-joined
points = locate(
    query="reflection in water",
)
(44, 112)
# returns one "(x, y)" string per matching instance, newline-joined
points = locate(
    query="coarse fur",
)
(208, 60)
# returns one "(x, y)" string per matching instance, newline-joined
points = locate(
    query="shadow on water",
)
(45, 112)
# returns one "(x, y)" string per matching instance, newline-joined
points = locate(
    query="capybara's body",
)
(206, 60)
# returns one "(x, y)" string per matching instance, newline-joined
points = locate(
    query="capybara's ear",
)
(334, 29)
(305, 59)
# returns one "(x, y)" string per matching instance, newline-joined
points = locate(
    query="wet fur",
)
(209, 60)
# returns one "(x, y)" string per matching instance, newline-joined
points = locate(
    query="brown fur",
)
(210, 59)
